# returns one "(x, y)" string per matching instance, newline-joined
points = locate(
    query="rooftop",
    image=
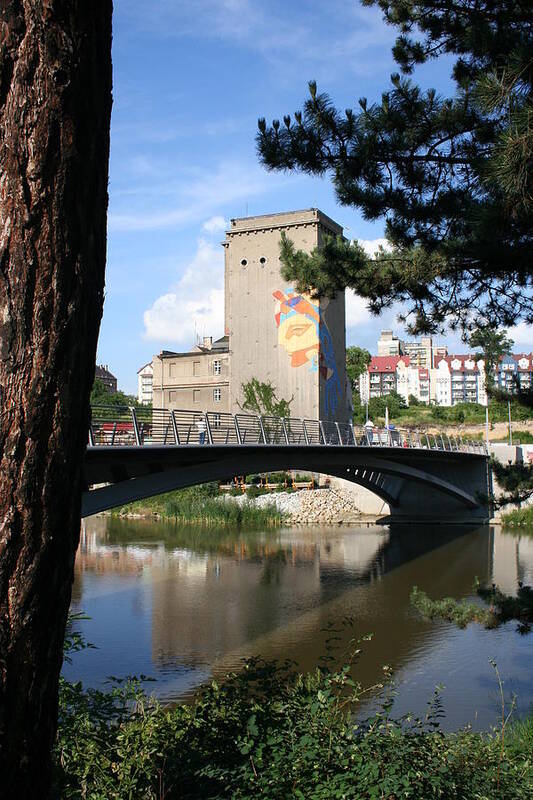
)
(102, 371)
(386, 363)
(219, 346)
(282, 219)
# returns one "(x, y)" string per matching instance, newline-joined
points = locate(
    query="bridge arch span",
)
(417, 484)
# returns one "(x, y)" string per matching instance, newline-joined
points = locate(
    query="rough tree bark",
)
(55, 106)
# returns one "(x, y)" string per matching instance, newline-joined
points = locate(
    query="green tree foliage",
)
(357, 360)
(377, 406)
(516, 480)
(451, 176)
(491, 345)
(261, 398)
(100, 396)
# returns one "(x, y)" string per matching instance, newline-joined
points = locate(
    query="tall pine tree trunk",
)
(55, 105)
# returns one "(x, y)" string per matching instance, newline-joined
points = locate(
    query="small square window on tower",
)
(217, 395)
(216, 367)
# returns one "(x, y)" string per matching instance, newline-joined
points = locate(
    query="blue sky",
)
(191, 77)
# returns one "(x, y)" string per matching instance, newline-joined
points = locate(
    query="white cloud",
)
(371, 246)
(357, 312)
(194, 305)
(522, 336)
(215, 224)
(282, 33)
(189, 197)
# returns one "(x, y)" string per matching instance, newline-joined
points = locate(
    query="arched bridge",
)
(137, 453)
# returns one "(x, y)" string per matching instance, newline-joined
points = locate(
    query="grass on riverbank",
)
(518, 517)
(499, 608)
(271, 732)
(202, 505)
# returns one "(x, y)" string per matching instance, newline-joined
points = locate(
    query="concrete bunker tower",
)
(276, 334)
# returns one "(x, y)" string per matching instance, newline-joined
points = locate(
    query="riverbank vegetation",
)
(519, 517)
(417, 413)
(202, 505)
(498, 609)
(274, 733)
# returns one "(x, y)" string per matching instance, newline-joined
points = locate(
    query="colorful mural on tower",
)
(303, 332)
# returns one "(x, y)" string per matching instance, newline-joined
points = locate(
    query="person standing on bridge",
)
(201, 431)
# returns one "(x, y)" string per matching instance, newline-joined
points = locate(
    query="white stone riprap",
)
(331, 506)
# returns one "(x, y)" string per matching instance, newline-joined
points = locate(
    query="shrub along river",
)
(186, 605)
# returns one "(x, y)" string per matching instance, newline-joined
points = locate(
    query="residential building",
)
(412, 381)
(106, 377)
(197, 379)
(525, 370)
(459, 379)
(420, 351)
(431, 375)
(441, 383)
(381, 377)
(514, 372)
(145, 380)
(386, 374)
(390, 345)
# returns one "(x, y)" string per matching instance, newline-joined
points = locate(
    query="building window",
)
(195, 367)
(215, 420)
(171, 370)
(216, 367)
(217, 395)
(172, 397)
(196, 395)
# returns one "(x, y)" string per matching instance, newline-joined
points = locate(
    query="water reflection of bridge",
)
(274, 593)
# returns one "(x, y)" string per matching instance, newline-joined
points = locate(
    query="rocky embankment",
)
(325, 506)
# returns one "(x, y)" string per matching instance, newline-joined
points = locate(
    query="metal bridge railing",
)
(121, 425)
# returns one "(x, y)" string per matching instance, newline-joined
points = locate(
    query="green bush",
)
(524, 437)
(274, 733)
(472, 413)
(439, 413)
(518, 517)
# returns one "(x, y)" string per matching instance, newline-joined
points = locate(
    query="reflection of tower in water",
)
(512, 560)
(202, 610)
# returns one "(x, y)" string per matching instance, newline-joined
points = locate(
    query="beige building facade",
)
(197, 380)
(272, 332)
(420, 351)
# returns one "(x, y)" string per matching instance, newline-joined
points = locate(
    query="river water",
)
(186, 605)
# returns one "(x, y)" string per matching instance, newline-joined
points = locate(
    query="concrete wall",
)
(364, 500)
(298, 344)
